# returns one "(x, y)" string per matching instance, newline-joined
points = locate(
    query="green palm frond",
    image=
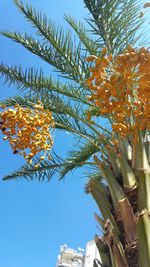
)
(22, 101)
(46, 169)
(89, 44)
(76, 71)
(56, 165)
(35, 82)
(115, 23)
(71, 125)
(78, 157)
(44, 51)
(52, 102)
(59, 49)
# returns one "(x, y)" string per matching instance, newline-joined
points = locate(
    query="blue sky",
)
(36, 218)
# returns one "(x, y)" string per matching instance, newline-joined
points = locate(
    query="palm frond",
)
(52, 102)
(46, 52)
(22, 101)
(89, 44)
(77, 158)
(66, 50)
(46, 169)
(71, 125)
(34, 81)
(115, 23)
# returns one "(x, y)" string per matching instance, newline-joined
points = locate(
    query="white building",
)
(91, 253)
(70, 258)
(77, 258)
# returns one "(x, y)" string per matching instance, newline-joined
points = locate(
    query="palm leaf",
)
(78, 157)
(115, 23)
(64, 47)
(35, 82)
(89, 44)
(46, 169)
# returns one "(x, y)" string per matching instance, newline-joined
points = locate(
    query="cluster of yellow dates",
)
(120, 87)
(27, 129)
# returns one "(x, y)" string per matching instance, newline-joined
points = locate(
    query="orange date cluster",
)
(120, 89)
(27, 129)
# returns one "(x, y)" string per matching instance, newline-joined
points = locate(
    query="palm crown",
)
(104, 86)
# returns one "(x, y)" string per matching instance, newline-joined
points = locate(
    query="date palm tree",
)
(112, 144)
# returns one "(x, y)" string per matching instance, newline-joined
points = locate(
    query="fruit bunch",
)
(27, 129)
(120, 89)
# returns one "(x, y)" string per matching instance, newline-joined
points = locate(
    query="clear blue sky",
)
(37, 218)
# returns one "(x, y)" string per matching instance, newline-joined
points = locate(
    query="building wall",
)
(70, 258)
(77, 258)
(91, 253)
